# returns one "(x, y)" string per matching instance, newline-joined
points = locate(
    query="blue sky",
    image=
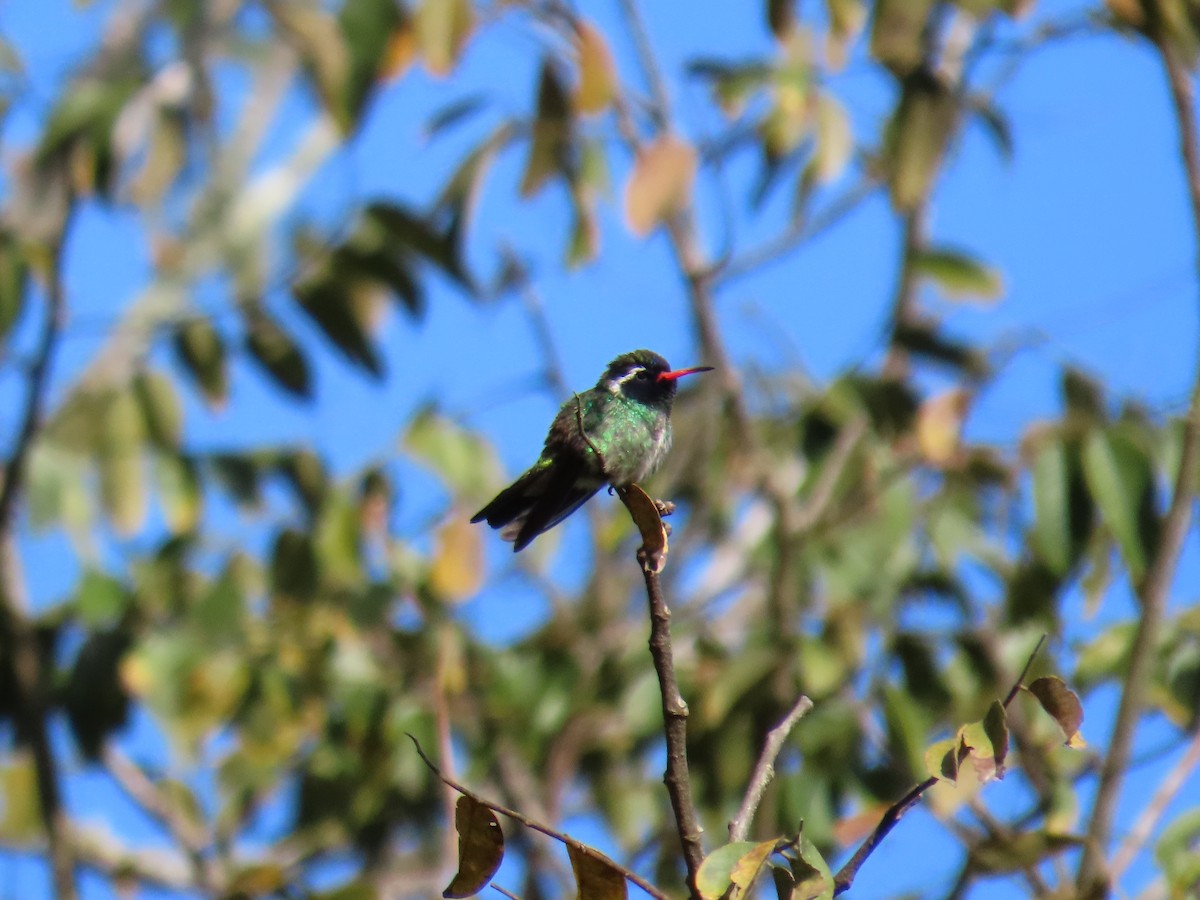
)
(1088, 222)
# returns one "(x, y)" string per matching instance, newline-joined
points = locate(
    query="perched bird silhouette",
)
(625, 418)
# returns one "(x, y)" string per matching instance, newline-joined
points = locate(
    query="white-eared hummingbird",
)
(614, 433)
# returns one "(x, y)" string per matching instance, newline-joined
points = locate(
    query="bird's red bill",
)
(679, 373)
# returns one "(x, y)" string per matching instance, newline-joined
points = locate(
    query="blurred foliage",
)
(826, 524)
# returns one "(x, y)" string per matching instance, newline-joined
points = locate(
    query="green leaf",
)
(161, 409)
(926, 340)
(917, 135)
(219, 613)
(465, 461)
(942, 759)
(368, 27)
(338, 541)
(401, 227)
(14, 278)
(180, 493)
(1083, 396)
(240, 475)
(278, 355)
(201, 351)
(553, 131)
(294, 565)
(100, 599)
(1121, 481)
(957, 274)
(122, 484)
(1105, 657)
(814, 879)
(1176, 853)
(341, 314)
(306, 474)
(716, 872)
(480, 848)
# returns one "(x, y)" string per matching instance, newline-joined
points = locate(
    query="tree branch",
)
(800, 231)
(32, 702)
(139, 787)
(1153, 812)
(1154, 589)
(628, 874)
(764, 770)
(675, 715)
(847, 873)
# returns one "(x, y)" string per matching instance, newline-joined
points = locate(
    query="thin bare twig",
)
(580, 847)
(1155, 586)
(1153, 812)
(799, 232)
(139, 787)
(33, 706)
(764, 770)
(847, 873)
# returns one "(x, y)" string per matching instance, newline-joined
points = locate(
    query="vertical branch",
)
(1154, 589)
(682, 230)
(904, 305)
(675, 715)
(32, 701)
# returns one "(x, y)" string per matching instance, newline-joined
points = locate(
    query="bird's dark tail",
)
(536, 502)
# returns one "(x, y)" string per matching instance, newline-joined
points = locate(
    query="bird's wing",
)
(567, 487)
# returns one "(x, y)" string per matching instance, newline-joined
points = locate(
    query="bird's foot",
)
(664, 507)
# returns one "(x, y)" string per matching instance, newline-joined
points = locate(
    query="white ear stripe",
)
(615, 386)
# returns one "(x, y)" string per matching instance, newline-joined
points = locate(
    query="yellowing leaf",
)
(442, 28)
(660, 184)
(457, 569)
(597, 73)
(595, 876)
(20, 819)
(747, 869)
(835, 142)
(939, 426)
(480, 848)
(401, 52)
(715, 874)
(649, 522)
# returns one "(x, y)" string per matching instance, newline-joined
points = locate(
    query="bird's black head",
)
(645, 376)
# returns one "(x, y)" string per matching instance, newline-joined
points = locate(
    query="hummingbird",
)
(615, 433)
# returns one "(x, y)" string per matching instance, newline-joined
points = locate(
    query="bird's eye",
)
(642, 375)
